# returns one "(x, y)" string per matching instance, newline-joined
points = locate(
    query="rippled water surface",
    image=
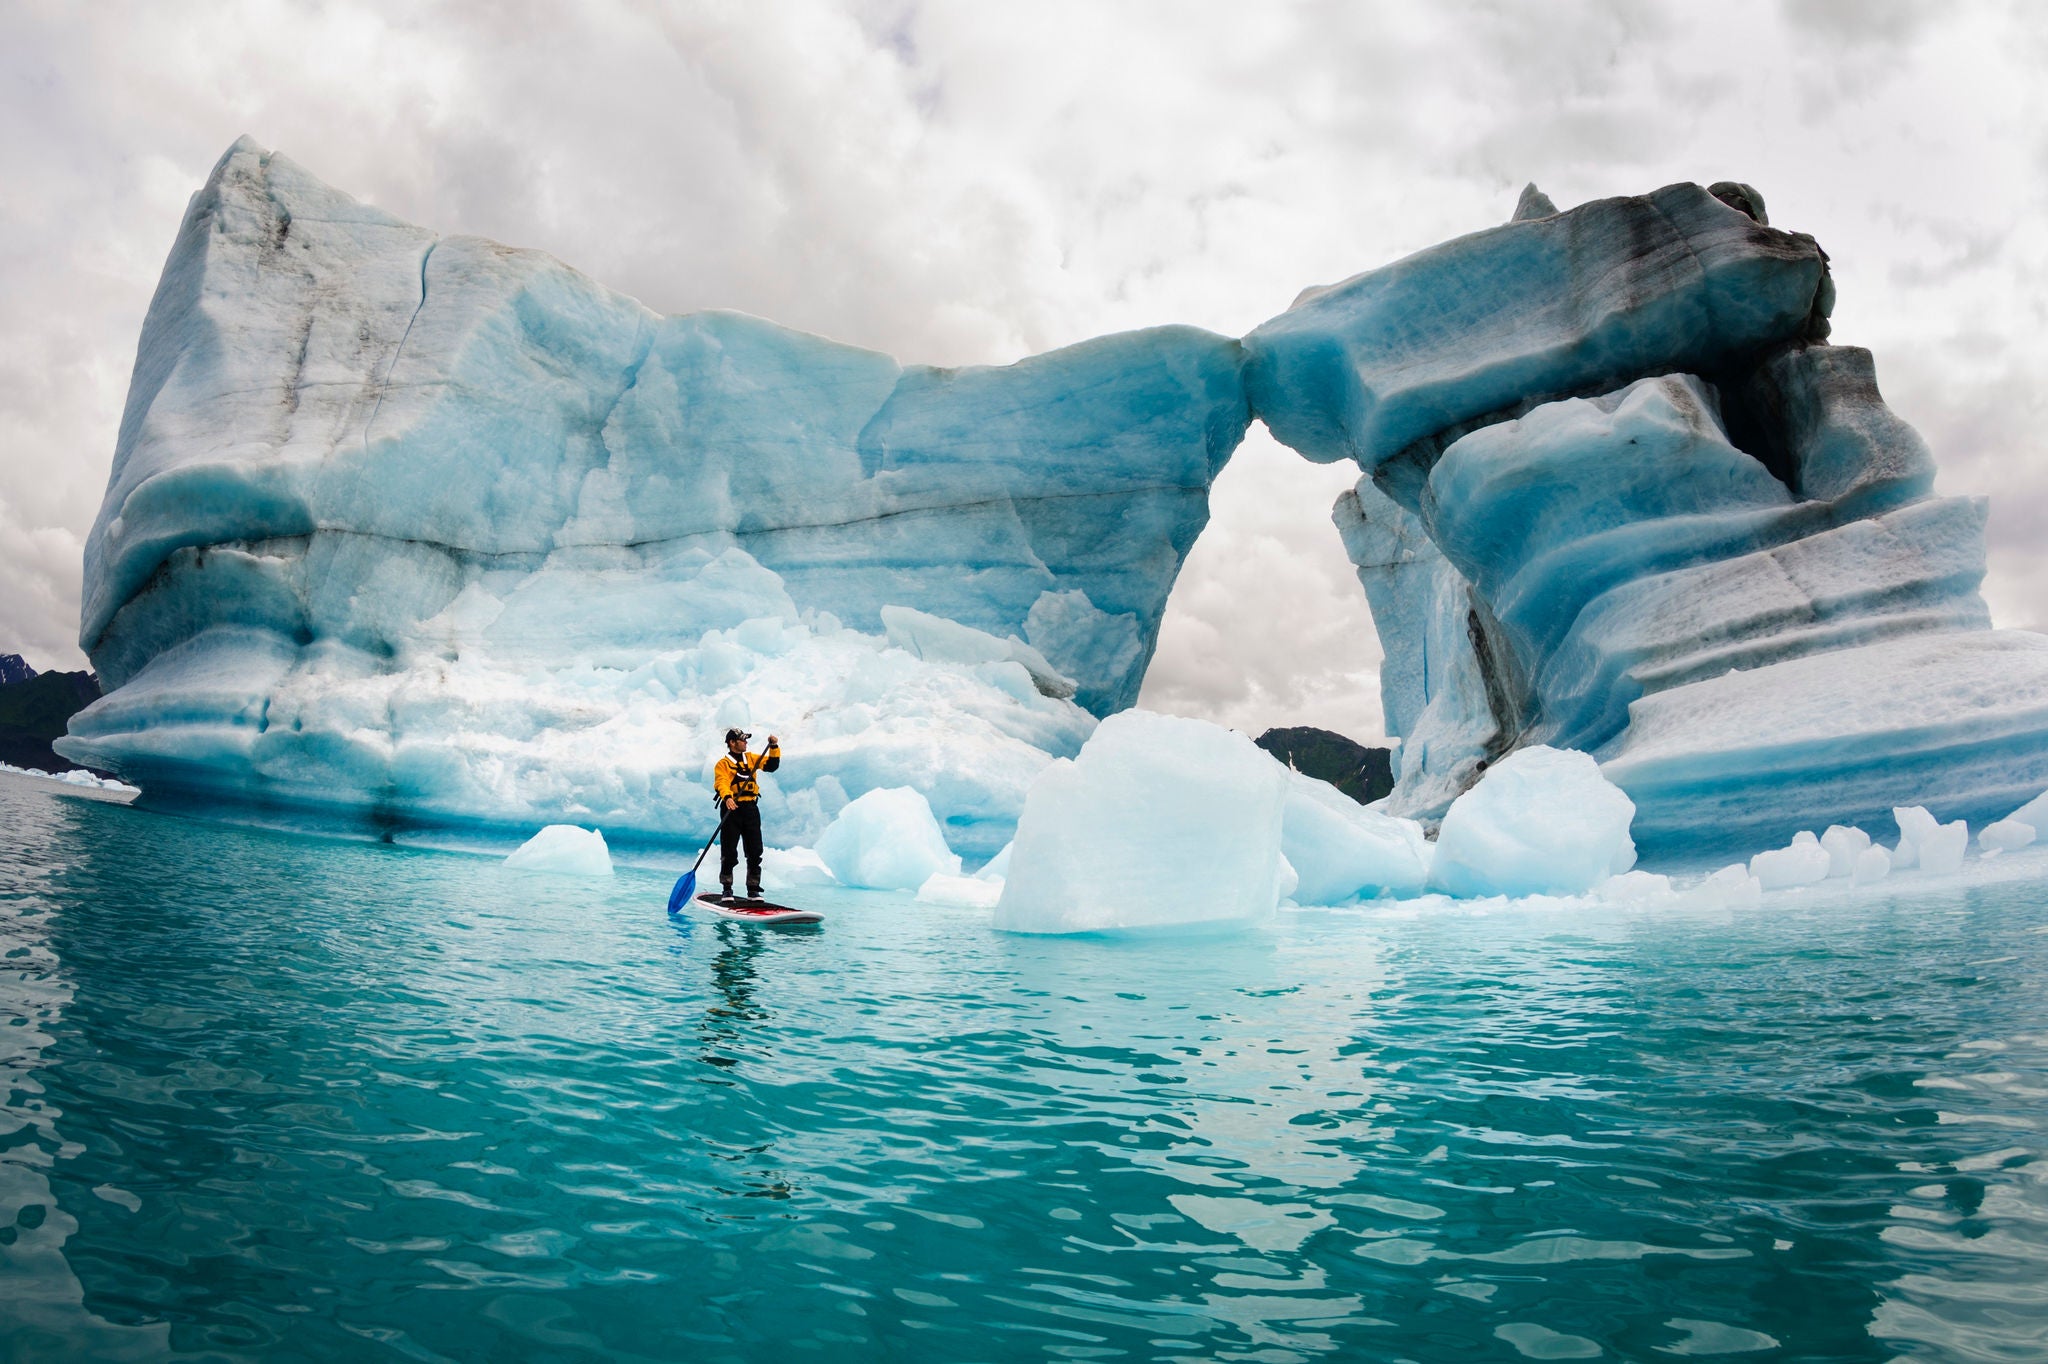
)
(275, 1097)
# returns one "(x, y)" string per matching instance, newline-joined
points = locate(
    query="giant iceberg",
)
(1620, 496)
(407, 530)
(414, 529)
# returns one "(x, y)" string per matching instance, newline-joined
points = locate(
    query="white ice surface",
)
(887, 839)
(1844, 845)
(2006, 835)
(963, 892)
(790, 868)
(997, 867)
(1927, 843)
(1804, 863)
(500, 731)
(1342, 851)
(565, 850)
(77, 776)
(1159, 823)
(1542, 821)
(1872, 864)
(2034, 814)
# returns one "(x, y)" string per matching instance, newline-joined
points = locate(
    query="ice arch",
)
(415, 528)
(1620, 495)
(1266, 625)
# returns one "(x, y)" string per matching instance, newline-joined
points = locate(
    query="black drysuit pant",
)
(743, 821)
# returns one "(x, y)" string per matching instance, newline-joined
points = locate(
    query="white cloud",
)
(962, 183)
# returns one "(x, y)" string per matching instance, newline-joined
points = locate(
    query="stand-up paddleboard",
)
(744, 911)
(756, 911)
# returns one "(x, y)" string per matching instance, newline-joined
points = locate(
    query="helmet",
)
(737, 733)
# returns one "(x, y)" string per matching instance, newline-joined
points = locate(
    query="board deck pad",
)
(756, 911)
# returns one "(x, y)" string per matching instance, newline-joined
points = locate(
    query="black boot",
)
(725, 891)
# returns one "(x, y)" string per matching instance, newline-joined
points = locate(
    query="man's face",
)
(735, 746)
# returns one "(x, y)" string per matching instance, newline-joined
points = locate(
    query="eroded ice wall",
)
(1694, 540)
(374, 485)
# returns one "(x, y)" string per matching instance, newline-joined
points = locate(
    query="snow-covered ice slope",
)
(376, 488)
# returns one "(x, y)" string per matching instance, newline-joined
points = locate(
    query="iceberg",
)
(793, 868)
(1804, 863)
(1844, 845)
(1159, 823)
(1342, 851)
(887, 839)
(565, 850)
(1542, 821)
(407, 531)
(413, 530)
(1433, 684)
(1680, 531)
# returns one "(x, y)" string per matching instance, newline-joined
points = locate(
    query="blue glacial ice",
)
(886, 839)
(564, 850)
(1164, 822)
(410, 531)
(423, 530)
(1703, 550)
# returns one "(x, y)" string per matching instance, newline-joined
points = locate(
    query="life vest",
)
(734, 778)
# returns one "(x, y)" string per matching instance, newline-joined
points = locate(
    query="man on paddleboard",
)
(739, 799)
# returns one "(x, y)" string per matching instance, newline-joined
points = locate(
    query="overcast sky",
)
(973, 182)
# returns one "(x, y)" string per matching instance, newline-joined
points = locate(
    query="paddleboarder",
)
(739, 797)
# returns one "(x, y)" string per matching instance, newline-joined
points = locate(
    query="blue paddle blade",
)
(686, 886)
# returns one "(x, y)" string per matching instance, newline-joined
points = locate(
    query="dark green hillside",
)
(1364, 774)
(35, 711)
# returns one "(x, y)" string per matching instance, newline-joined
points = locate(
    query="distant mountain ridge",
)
(1362, 773)
(35, 708)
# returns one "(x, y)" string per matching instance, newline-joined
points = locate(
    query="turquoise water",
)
(273, 1097)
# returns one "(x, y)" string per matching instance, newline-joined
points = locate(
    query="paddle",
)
(686, 884)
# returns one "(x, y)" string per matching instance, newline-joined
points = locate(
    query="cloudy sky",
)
(972, 182)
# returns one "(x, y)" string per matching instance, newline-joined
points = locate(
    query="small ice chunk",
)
(1160, 822)
(788, 868)
(887, 840)
(1872, 864)
(998, 867)
(2034, 814)
(1931, 845)
(1941, 852)
(1732, 887)
(1914, 822)
(1804, 863)
(1843, 844)
(2006, 835)
(565, 850)
(1342, 851)
(964, 892)
(1637, 888)
(1543, 821)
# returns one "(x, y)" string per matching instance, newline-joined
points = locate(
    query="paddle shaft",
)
(709, 841)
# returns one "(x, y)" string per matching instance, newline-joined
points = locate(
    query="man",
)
(739, 800)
